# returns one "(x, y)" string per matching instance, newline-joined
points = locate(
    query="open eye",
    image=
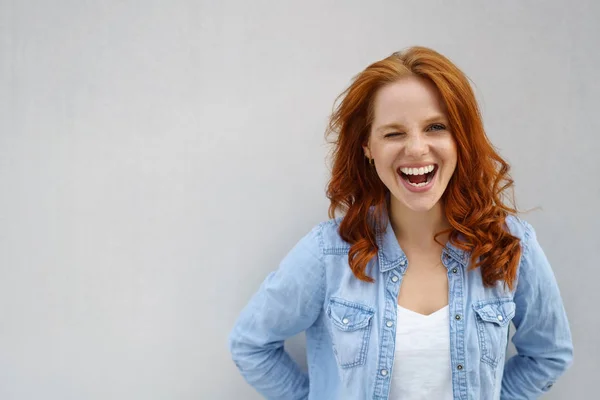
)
(437, 127)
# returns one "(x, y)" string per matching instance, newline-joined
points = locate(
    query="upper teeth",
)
(417, 171)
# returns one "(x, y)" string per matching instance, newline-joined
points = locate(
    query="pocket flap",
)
(349, 316)
(497, 312)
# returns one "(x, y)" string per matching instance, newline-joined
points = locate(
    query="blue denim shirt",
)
(350, 324)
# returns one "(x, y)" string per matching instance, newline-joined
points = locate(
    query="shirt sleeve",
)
(288, 302)
(543, 337)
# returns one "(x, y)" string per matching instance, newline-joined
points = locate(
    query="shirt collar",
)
(392, 256)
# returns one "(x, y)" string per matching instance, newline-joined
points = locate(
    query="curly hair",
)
(474, 200)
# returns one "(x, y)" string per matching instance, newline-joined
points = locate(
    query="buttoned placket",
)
(457, 329)
(386, 358)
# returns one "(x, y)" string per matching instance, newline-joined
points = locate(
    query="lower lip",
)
(420, 189)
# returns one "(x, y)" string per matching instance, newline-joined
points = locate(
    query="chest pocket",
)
(350, 331)
(492, 318)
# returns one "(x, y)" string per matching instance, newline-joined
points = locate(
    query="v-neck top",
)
(422, 367)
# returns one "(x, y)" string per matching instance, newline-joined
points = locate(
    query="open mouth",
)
(418, 177)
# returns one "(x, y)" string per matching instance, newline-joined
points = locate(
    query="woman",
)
(410, 293)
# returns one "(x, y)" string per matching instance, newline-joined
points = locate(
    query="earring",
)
(372, 161)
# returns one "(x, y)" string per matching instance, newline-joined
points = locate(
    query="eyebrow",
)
(435, 118)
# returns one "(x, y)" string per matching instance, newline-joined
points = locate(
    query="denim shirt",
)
(350, 324)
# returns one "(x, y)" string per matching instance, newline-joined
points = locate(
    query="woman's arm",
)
(288, 302)
(543, 338)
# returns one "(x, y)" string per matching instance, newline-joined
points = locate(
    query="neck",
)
(416, 229)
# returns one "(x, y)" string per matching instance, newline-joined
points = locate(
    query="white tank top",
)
(422, 368)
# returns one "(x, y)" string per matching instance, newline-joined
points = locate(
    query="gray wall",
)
(159, 158)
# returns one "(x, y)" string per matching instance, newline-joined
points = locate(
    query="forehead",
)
(410, 98)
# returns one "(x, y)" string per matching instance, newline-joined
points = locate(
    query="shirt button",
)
(459, 367)
(389, 324)
(345, 320)
(454, 270)
(402, 262)
(500, 318)
(457, 317)
(384, 372)
(394, 278)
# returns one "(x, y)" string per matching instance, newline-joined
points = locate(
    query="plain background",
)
(159, 158)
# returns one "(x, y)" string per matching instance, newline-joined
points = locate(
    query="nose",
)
(417, 145)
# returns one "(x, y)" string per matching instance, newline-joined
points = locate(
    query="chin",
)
(419, 206)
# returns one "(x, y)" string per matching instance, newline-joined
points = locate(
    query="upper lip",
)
(417, 165)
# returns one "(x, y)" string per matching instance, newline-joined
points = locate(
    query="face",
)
(411, 144)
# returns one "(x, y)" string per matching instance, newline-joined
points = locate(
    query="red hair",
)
(473, 200)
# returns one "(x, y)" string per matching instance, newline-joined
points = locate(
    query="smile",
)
(418, 178)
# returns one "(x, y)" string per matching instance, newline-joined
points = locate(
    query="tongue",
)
(417, 178)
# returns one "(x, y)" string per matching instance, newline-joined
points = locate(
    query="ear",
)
(367, 151)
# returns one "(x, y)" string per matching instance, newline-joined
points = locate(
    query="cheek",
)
(389, 150)
(450, 151)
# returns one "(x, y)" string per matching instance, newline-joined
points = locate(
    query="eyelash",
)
(441, 127)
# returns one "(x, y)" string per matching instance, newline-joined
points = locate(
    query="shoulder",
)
(532, 261)
(327, 234)
(320, 240)
(520, 228)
